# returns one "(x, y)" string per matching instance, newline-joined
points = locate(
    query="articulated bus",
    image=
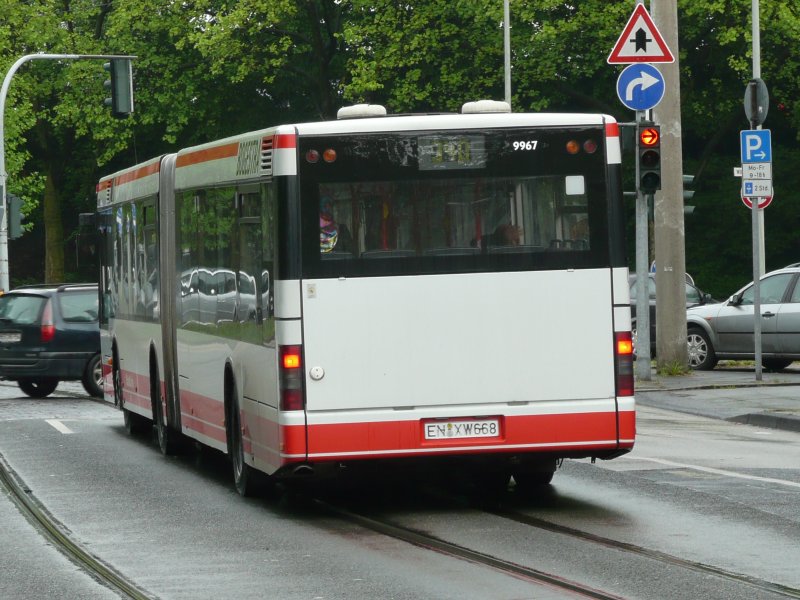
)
(446, 289)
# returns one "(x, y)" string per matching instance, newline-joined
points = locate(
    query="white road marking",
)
(722, 472)
(59, 426)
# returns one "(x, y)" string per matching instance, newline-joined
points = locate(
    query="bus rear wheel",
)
(243, 474)
(534, 475)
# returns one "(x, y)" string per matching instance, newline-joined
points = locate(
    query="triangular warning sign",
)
(640, 41)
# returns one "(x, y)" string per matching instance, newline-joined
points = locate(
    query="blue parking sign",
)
(756, 145)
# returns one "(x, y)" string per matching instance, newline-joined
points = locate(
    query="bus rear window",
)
(452, 216)
(453, 201)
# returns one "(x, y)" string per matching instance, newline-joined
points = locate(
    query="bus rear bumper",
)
(602, 428)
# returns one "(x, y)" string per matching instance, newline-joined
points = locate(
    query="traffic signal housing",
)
(648, 139)
(688, 181)
(120, 85)
(14, 216)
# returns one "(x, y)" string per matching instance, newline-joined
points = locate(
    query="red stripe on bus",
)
(612, 129)
(627, 425)
(285, 140)
(215, 432)
(103, 185)
(202, 408)
(138, 173)
(539, 432)
(208, 154)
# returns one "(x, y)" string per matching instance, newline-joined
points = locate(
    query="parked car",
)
(694, 297)
(50, 333)
(725, 331)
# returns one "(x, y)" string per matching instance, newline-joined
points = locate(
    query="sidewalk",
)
(730, 393)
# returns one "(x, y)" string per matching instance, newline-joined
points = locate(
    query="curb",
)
(770, 421)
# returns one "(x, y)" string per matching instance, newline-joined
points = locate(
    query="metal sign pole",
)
(643, 357)
(756, 221)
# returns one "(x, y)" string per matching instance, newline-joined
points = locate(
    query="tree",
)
(424, 56)
(211, 68)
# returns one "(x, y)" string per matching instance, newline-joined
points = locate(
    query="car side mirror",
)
(735, 300)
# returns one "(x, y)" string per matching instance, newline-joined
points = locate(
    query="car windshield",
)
(21, 309)
(79, 306)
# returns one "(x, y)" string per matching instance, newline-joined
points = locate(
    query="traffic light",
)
(14, 216)
(649, 155)
(121, 86)
(627, 137)
(688, 180)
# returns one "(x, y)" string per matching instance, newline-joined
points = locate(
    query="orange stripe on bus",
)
(208, 154)
(103, 185)
(138, 173)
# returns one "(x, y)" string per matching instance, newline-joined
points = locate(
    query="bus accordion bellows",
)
(417, 289)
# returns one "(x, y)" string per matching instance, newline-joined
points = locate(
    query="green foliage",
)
(424, 56)
(211, 68)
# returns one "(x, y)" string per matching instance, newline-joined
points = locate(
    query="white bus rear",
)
(416, 287)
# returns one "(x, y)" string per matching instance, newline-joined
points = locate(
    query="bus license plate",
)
(10, 338)
(472, 428)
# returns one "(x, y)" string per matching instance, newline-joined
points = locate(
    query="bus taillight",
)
(623, 350)
(291, 377)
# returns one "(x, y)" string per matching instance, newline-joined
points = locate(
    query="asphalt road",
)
(704, 491)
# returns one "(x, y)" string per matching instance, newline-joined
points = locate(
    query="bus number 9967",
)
(526, 145)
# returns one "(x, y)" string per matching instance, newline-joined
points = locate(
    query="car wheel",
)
(38, 388)
(92, 379)
(701, 352)
(776, 364)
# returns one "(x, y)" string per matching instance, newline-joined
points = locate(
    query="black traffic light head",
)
(14, 216)
(121, 85)
(649, 156)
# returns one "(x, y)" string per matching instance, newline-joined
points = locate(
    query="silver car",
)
(725, 330)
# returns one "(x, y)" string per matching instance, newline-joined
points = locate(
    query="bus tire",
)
(243, 474)
(531, 481)
(491, 479)
(167, 439)
(134, 424)
(116, 379)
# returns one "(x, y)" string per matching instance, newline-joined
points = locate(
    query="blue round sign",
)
(640, 86)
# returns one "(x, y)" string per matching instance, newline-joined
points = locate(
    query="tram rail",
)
(50, 528)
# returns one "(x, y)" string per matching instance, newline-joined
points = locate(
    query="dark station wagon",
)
(50, 333)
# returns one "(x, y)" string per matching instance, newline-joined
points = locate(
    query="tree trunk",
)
(53, 232)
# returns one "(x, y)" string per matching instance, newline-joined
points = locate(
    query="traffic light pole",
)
(643, 358)
(4, 282)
